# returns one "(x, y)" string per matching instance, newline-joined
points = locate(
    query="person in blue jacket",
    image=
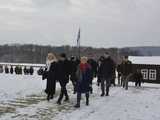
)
(84, 80)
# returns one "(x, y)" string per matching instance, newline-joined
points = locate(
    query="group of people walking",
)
(81, 72)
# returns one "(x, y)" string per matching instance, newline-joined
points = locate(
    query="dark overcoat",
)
(51, 77)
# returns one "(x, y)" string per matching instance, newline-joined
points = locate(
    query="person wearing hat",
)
(63, 77)
(106, 72)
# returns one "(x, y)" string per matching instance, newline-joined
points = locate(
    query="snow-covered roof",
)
(152, 60)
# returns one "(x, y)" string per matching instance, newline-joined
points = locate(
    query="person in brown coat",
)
(126, 67)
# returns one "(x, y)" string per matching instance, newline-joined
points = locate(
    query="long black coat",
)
(63, 71)
(138, 76)
(73, 69)
(51, 76)
(106, 68)
(94, 66)
(126, 67)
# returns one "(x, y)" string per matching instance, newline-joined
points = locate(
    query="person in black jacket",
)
(73, 69)
(93, 65)
(63, 77)
(98, 71)
(25, 70)
(31, 70)
(113, 74)
(138, 78)
(50, 74)
(119, 74)
(11, 70)
(106, 73)
(6, 69)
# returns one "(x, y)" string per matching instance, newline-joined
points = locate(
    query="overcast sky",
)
(103, 23)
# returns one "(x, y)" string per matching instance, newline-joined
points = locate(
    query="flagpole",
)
(79, 44)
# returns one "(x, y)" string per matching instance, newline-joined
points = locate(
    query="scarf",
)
(48, 64)
(84, 67)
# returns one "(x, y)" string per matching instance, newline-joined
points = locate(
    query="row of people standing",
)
(17, 70)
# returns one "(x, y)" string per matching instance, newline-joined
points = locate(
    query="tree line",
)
(29, 53)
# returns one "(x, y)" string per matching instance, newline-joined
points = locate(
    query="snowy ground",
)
(22, 98)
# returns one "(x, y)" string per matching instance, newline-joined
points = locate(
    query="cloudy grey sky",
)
(103, 23)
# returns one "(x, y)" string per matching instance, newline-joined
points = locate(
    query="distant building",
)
(149, 66)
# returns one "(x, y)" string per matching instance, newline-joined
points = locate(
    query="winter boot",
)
(59, 102)
(48, 97)
(78, 103)
(87, 99)
(51, 96)
(77, 106)
(107, 91)
(102, 94)
(66, 99)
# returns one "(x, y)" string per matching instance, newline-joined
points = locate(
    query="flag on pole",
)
(78, 37)
(78, 42)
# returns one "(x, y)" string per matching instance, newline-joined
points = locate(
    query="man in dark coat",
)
(113, 74)
(98, 71)
(126, 67)
(119, 74)
(93, 65)
(106, 73)
(73, 69)
(138, 78)
(63, 76)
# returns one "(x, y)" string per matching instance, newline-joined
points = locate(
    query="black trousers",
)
(63, 92)
(79, 98)
(74, 81)
(119, 79)
(138, 83)
(105, 84)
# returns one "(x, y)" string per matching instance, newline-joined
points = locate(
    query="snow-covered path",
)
(22, 98)
(134, 104)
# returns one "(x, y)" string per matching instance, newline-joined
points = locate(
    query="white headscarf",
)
(48, 63)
